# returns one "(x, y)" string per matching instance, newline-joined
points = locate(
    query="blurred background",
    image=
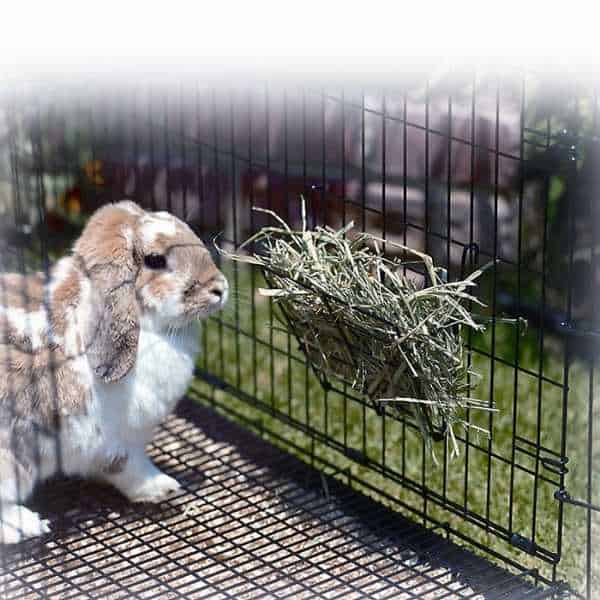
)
(507, 163)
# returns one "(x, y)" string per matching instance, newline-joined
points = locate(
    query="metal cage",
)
(469, 167)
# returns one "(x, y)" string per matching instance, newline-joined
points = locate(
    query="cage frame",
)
(216, 147)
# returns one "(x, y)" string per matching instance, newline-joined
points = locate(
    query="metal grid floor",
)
(252, 522)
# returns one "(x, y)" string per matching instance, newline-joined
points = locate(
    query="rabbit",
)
(95, 356)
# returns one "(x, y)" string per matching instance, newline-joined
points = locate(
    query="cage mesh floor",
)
(253, 522)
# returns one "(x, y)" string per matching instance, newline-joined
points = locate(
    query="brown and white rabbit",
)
(92, 361)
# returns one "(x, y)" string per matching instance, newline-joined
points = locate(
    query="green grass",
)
(281, 380)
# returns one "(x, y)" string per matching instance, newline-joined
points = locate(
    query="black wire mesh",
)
(253, 522)
(502, 164)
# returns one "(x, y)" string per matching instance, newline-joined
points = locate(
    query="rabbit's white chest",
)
(124, 414)
(164, 368)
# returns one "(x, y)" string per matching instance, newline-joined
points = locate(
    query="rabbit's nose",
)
(219, 289)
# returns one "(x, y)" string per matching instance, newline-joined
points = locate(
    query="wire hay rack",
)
(360, 319)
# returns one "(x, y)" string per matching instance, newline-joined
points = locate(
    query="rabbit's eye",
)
(155, 261)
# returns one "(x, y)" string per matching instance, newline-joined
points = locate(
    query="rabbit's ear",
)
(107, 251)
(113, 341)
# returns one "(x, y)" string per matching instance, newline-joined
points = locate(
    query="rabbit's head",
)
(145, 269)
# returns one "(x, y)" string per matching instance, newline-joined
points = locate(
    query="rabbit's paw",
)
(18, 523)
(155, 489)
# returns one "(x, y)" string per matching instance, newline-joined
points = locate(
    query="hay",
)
(360, 318)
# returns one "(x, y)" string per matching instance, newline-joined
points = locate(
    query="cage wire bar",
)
(469, 169)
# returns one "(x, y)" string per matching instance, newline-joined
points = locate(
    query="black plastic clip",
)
(564, 496)
(575, 329)
(356, 456)
(523, 543)
(566, 143)
(556, 465)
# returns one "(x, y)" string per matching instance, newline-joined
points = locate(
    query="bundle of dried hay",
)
(360, 318)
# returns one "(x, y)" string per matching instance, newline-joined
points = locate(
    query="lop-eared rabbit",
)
(92, 360)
